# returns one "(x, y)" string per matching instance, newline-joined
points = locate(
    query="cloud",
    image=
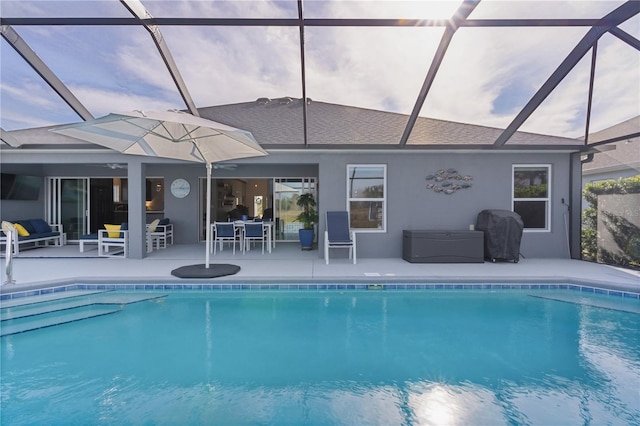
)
(617, 83)
(228, 65)
(102, 102)
(14, 119)
(30, 93)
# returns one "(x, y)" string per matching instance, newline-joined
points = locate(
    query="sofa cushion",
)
(164, 221)
(124, 226)
(37, 236)
(40, 226)
(21, 231)
(26, 224)
(89, 237)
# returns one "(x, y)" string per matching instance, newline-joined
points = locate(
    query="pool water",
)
(319, 358)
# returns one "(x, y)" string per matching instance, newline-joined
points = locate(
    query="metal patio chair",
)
(224, 232)
(339, 235)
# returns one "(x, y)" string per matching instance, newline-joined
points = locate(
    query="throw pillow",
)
(153, 225)
(7, 226)
(21, 231)
(28, 226)
(112, 228)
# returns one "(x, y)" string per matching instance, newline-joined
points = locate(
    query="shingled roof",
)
(626, 152)
(278, 123)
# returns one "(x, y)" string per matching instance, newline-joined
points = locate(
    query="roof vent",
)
(263, 101)
(285, 101)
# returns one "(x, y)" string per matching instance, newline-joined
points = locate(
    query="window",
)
(366, 192)
(531, 195)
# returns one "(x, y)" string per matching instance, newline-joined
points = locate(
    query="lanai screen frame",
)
(141, 17)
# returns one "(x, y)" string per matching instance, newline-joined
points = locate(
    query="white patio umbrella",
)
(9, 139)
(169, 134)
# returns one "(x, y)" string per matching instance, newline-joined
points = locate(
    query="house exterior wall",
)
(410, 205)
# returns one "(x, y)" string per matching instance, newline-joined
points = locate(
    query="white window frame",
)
(547, 199)
(383, 199)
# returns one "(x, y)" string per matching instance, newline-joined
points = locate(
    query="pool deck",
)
(53, 266)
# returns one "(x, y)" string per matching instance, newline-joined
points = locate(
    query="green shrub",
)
(630, 185)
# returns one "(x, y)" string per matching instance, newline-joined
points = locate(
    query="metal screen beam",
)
(621, 14)
(303, 76)
(287, 22)
(626, 37)
(461, 14)
(616, 139)
(592, 75)
(44, 71)
(143, 17)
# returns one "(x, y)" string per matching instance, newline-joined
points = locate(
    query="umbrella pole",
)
(208, 216)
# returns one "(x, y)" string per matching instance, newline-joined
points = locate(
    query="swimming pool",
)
(333, 357)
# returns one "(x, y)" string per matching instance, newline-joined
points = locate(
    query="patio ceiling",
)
(562, 68)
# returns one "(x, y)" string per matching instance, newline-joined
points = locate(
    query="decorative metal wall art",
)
(448, 181)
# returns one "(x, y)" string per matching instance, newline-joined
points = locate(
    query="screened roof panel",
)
(376, 68)
(615, 99)
(567, 104)
(107, 68)
(374, 9)
(27, 101)
(489, 74)
(632, 26)
(223, 65)
(546, 9)
(223, 9)
(62, 9)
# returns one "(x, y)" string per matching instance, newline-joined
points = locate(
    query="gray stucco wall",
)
(410, 205)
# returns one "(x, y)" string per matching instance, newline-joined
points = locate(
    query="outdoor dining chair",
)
(254, 231)
(338, 234)
(224, 232)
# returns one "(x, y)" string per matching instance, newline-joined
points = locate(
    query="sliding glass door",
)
(286, 192)
(266, 198)
(67, 204)
(84, 205)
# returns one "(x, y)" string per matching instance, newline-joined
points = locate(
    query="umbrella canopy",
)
(169, 134)
(9, 139)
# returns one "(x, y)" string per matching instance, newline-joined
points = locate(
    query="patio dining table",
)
(239, 225)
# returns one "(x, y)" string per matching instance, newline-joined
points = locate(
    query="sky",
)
(486, 77)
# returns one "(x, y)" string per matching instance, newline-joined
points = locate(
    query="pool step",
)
(40, 309)
(50, 297)
(615, 304)
(47, 311)
(43, 321)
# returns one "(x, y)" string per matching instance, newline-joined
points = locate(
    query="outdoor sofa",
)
(34, 231)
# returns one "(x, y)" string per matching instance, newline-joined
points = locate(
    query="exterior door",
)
(67, 204)
(285, 194)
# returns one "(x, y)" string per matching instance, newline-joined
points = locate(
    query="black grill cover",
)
(502, 234)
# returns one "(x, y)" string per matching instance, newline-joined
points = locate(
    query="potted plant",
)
(308, 217)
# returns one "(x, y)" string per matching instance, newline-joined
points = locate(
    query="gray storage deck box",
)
(443, 246)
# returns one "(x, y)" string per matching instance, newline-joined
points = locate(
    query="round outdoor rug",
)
(199, 271)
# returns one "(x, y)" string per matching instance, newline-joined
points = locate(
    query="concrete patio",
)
(44, 267)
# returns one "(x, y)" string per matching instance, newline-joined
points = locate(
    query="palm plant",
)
(308, 216)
